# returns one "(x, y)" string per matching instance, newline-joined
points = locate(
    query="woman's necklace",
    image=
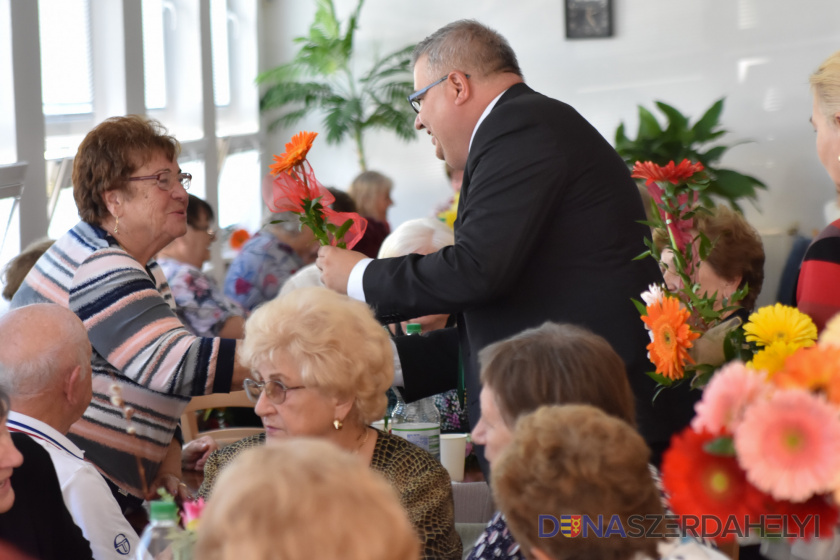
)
(364, 441)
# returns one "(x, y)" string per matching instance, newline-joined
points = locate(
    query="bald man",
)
(45, 369)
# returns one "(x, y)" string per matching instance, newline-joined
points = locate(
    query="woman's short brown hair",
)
(737, 249)
(109, 154)
(556, 364)
(17, 268)
(576, 460)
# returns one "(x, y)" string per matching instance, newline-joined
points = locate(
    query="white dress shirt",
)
(86, 495)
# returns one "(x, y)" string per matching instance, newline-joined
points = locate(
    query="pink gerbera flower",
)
(727, 396)
(789, 445)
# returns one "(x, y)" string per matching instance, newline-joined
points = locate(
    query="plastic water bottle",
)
(419, 421)
(159, 535)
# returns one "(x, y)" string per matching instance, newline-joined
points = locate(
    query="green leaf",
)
(704, 128)
(648, 125)
(677, 122)
(723, 446)
(644, 255)
(640, 306)
(660, 379)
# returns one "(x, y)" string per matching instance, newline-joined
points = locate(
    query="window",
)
(8, 149)
(66, 76)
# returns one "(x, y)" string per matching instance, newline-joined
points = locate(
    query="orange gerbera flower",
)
(813, 369)
(238, 238)
(674, 173)
(296, 151)
(671, 337)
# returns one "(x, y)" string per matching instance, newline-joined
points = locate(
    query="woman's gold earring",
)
(338, 424)
(116, 225)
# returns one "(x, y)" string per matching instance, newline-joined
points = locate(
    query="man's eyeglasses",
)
(274, 390)
(416, 97)
(164, 180)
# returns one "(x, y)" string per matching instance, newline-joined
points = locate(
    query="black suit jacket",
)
(547, 229)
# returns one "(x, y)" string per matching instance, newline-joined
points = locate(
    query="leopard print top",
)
(421, 482)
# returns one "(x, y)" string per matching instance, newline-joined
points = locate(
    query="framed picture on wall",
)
(589, 19)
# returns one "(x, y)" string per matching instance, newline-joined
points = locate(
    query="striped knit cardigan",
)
(138, 342)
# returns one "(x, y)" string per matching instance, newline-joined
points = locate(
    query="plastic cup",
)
(453, 450)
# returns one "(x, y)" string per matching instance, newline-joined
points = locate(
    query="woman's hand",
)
(195, 453)
(171, 484)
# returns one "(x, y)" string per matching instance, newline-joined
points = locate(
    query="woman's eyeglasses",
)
(274, 390)
(208, 230)
(164, 180)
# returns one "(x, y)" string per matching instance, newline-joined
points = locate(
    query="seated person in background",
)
(578, 460)
(448, 211)
(202, 306)
(551, 364)
(50, 387)
(736, 260)
(309, 275)
(17, 268)
(33, 518)
(371, 191)
(322, 364)
(268, 259)
(423, 236)
(304, 498)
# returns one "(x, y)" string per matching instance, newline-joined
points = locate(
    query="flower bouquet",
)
(762, 456)
(676, 319)
(295, 189)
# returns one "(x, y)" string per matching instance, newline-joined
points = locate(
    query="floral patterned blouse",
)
(202, 306)
(260, 269)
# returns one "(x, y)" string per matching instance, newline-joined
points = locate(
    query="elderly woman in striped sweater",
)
(132, 199)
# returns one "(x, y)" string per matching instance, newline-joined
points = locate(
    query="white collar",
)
(18, 422)
(484, 116)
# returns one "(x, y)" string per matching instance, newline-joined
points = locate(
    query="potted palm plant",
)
(321, 78)
(679, 140)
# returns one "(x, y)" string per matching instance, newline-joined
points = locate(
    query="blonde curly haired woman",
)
(321, 365)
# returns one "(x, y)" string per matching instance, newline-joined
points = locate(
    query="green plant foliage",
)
(321, 78)
(679, 139)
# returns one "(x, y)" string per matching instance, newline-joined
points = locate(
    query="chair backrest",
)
(189, 419)
(473, 502)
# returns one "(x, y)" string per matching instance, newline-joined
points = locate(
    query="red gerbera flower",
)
(676, 174)
(700, 483)
(820, 524)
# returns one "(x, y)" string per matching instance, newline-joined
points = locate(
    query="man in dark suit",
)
(547, 224)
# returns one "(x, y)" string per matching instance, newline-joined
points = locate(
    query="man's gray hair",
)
(468, 46)
(35, 370)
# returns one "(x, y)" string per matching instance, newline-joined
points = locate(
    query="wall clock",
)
(588, 19)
